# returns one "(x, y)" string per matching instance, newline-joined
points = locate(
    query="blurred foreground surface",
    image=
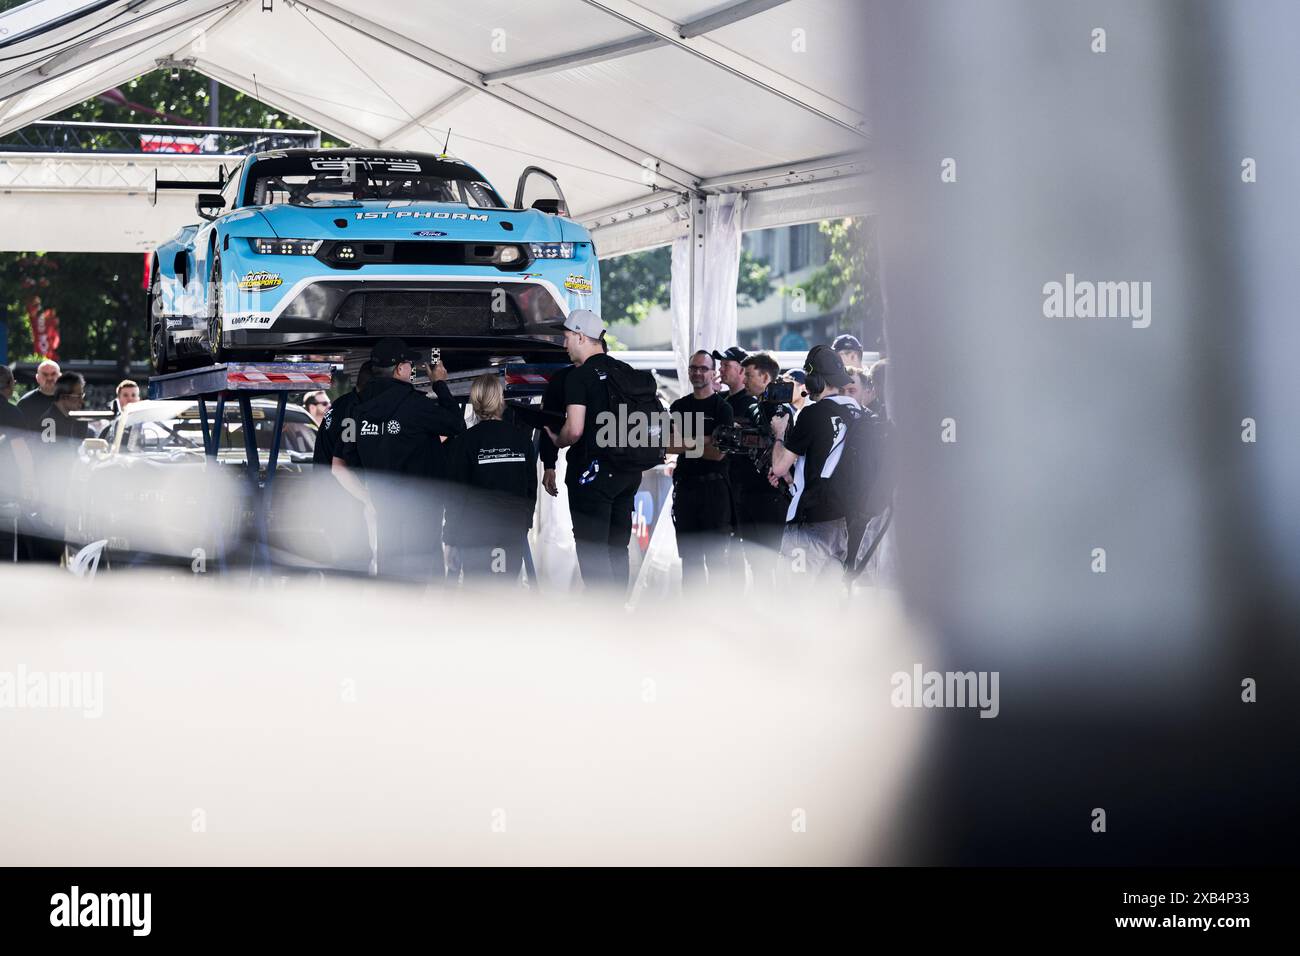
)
(361, 723)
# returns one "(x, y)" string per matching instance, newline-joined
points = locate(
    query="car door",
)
(538, 189)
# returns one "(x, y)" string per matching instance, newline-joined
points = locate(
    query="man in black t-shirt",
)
(701, 495)
(600, 497)
(806, 455)
(32, 405)
(549, 455)
(759, 508)
(731, 374)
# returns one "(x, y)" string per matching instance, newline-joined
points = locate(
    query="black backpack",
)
(633, 396)
(858, 482)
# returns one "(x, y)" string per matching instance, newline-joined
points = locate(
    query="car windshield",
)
(322, 180)
(186, 432)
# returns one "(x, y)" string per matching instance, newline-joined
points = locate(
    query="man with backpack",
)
(604, 466)
(825, 457)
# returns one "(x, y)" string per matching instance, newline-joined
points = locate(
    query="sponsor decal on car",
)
(428, 233)
(578, 284)
(260, 281)
(407, 214)
(389, 163)
(246, 321)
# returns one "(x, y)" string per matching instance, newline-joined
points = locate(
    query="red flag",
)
(45, 328)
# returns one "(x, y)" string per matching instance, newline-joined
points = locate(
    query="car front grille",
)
(433, 312)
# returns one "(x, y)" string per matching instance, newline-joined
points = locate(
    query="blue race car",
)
(323, 251)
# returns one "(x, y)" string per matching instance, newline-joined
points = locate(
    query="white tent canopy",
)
(640, 109)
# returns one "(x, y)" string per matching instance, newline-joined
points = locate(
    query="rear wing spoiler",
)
(193, 185)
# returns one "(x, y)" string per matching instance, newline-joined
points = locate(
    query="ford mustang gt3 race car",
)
(318, 251)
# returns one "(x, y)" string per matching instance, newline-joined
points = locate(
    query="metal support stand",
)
(243, 382)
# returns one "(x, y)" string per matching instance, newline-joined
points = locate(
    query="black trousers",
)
(760, 522)
(702, 518)
(602, 527)
(410, 546)
(498, 563)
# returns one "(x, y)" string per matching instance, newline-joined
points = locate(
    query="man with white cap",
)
(600, 494)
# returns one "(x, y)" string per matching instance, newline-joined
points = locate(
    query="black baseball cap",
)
(826, 362)
(733, 354)
(392, 351)
(846, 342)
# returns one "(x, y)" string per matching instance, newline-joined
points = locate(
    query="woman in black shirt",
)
(493, 470)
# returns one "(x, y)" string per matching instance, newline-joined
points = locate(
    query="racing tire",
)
(158, 357)
(216, 305)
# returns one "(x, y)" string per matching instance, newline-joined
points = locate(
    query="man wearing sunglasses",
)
(317, 405)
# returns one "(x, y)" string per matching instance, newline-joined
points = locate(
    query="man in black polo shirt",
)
(701, 496)
(600, 497)
(399, 433)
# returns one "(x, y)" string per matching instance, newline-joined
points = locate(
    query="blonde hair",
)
(487, 396)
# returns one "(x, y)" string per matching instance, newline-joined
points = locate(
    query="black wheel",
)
(158, 357)
(215, 306)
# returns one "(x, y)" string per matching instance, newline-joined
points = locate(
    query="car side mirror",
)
(94, 446)
(210, 205)
(554, 207)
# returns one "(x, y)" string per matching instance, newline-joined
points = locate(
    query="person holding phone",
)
(392, 460)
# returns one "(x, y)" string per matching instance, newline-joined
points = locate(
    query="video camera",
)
(753, 438)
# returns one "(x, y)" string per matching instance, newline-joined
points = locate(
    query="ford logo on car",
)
(430, 233)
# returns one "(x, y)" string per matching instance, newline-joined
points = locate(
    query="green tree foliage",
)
(632, 285)
(850, 279)
(99, 297)
(184, 99)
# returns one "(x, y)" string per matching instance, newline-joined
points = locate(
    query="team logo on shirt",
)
(369, 429)
(394, 427)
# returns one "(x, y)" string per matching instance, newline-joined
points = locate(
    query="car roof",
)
(343, 152)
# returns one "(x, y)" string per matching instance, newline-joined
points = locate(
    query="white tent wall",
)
(705, 268)
(627, 103)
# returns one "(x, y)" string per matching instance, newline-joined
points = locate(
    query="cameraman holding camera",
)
(760, 509)
(816, 530)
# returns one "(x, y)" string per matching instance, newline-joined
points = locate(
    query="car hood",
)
(400, 219)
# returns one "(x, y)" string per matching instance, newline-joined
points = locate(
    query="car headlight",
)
(285, 247)
(551, 250)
